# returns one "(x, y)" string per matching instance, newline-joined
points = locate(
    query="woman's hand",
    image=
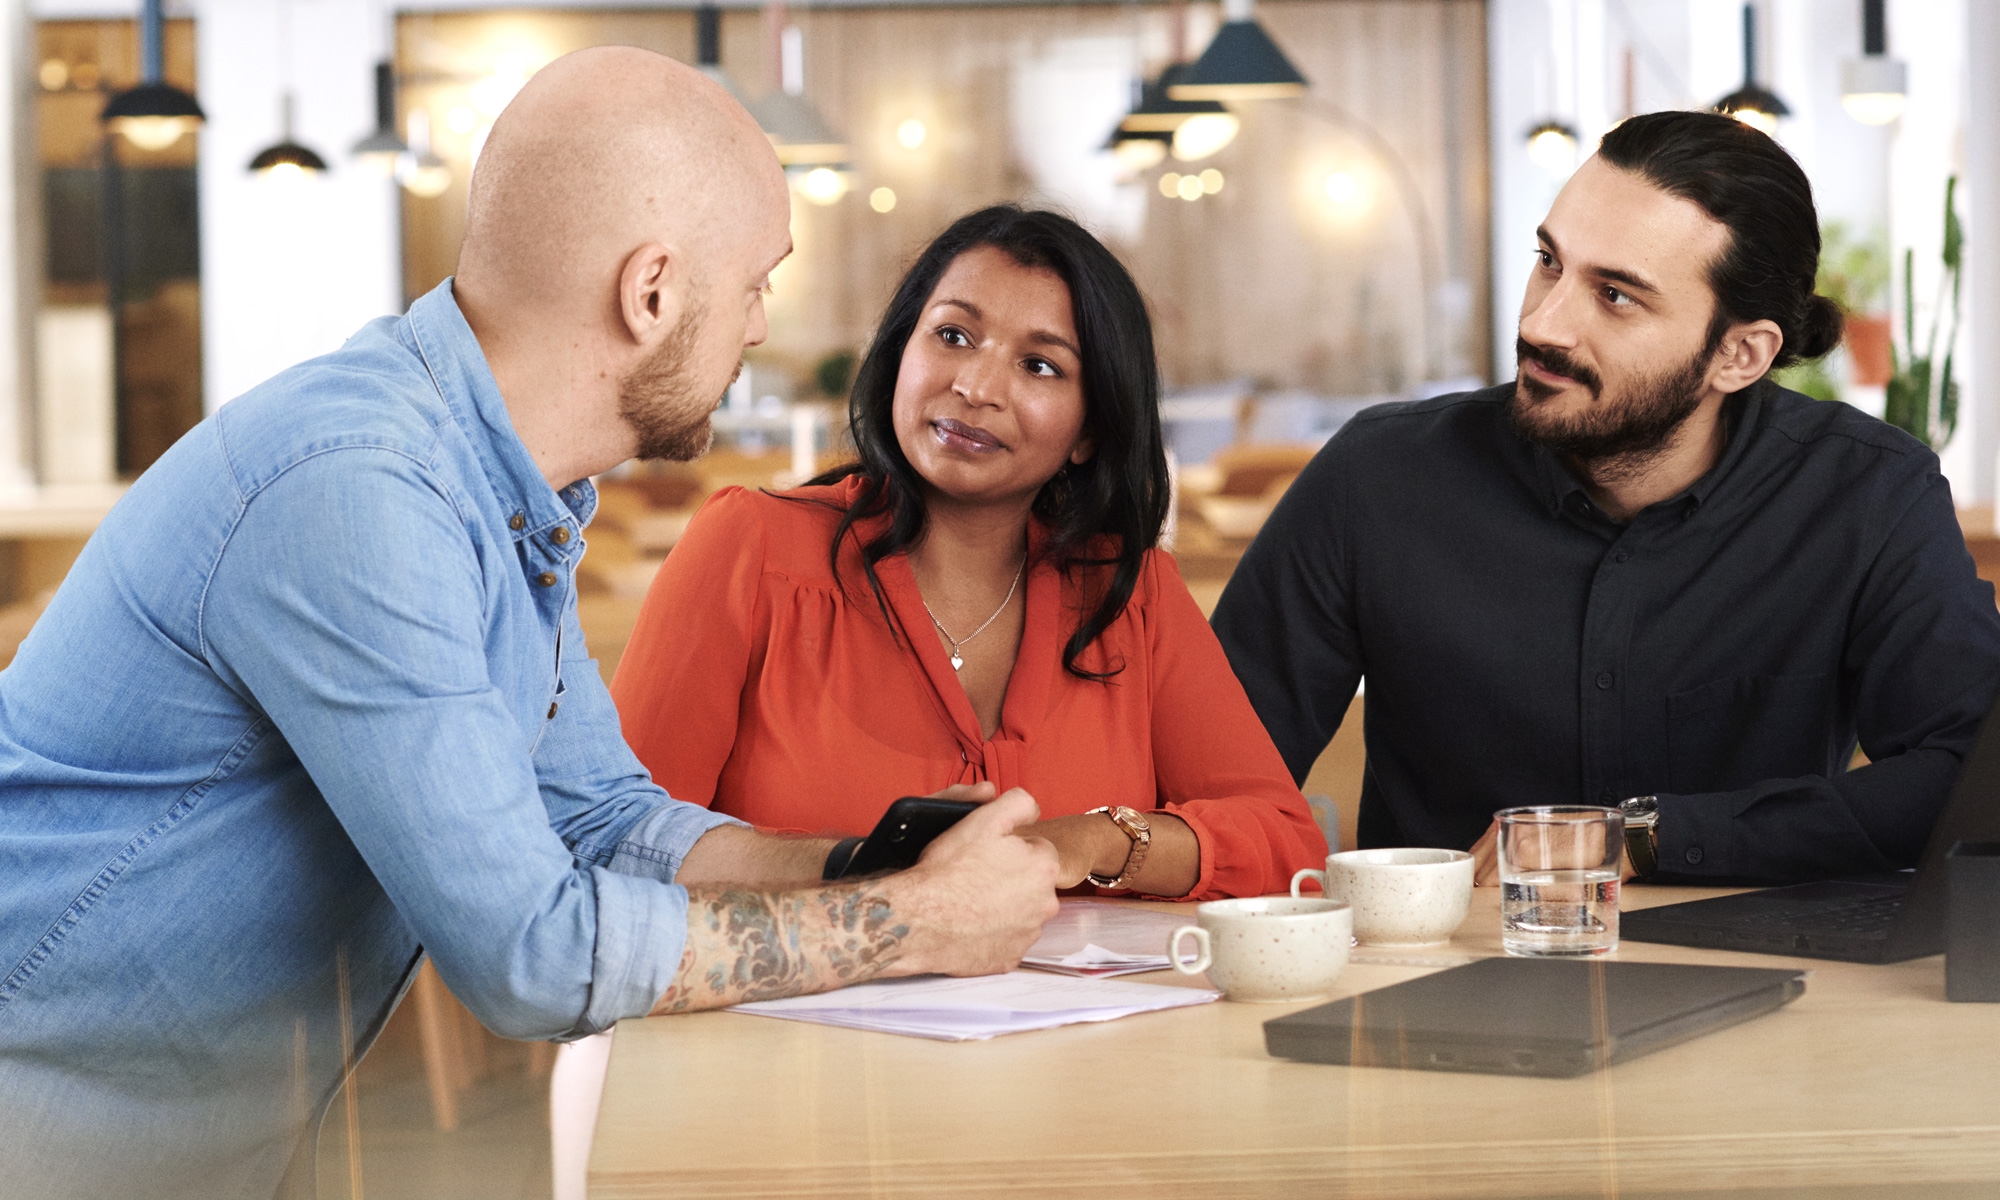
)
(1092, 844)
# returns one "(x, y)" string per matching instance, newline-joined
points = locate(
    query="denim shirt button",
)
(560, 535)
(517, 522)
(553, 705)
(546, 579)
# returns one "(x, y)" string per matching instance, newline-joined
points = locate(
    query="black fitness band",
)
(837, 859)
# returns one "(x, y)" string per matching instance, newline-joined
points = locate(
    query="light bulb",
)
(461, 119)
(54, 75)
(152, 133)
(823, 185)
(1190, 187)
(284, 173)
(1211, 181)
(1203, 134)
(1756, 118)
(882, 199)
(424, 175)
(1874, 108)
(1139, 154)
(1170, 185)
(1343, 188)
(911, 133)
(1553, 150)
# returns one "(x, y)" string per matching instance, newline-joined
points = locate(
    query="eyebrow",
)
(1039, 337)
(1630, 279)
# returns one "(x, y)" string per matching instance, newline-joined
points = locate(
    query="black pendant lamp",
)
(708, 51)
(1753, 104)
(382, 150)
(287, 159)
(155, 114)
(1242, 63)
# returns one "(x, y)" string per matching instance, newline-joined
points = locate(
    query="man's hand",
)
(1486, 859)
(972, 905)
(980, 894)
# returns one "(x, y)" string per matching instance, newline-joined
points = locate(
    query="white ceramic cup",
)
(1269, 948)
(1404, 897)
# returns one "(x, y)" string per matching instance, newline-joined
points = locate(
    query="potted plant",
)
(1922, 396)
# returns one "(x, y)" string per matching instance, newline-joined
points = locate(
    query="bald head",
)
(603, 151)
(625, 217)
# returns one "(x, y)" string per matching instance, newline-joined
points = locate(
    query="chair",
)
(576, 1085)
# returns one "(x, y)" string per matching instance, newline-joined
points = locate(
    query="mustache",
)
(1551, 359)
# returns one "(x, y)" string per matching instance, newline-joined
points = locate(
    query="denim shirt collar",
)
(465, 382)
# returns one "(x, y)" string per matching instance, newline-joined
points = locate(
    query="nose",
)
(1548, 318)
(981, 380)
(758, 327)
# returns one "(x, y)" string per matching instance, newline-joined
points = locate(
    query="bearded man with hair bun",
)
(1641, 573)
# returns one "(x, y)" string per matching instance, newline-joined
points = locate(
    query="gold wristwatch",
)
(1132, 823)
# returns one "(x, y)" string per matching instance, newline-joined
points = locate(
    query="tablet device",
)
(1522, 1016)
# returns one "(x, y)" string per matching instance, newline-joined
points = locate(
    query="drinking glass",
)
(1559, 868)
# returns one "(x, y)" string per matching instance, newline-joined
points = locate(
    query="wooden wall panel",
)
(1266, 279)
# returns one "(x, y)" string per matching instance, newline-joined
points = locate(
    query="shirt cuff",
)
(1694, 834)
(641, 934)
(656, 844)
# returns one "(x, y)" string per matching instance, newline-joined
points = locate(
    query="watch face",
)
(1640, 808)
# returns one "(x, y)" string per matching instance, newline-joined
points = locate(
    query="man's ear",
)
(1746, 354)
(652, 288)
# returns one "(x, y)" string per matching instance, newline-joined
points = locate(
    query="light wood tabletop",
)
(1869, 1078)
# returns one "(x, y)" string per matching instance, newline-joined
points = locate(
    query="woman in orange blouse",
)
(977, 600)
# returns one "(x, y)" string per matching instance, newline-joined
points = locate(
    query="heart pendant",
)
(956, 661)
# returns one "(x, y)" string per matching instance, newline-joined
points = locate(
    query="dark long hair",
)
(1748, 182)
(1104, 512)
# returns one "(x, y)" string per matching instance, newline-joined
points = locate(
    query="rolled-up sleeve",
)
(349, 605)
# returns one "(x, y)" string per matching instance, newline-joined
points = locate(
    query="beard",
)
(659, 399)
(1611, 439)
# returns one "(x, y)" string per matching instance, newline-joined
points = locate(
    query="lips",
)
(957, 435)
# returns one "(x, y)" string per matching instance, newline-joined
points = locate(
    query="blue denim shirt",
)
(312, 703)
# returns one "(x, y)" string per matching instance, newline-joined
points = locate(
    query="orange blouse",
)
(755, 684)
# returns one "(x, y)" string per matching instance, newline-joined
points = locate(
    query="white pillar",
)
(20, 247)
(1982, 247)
(289, 271)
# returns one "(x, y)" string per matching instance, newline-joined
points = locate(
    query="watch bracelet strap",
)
(1642, 846)
(1135, 855)
(843, 853)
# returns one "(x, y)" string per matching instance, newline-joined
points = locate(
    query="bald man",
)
(314, 702)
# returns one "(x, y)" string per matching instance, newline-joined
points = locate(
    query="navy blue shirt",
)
(1725, 649)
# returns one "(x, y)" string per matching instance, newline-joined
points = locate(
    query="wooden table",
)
(1870, 1078)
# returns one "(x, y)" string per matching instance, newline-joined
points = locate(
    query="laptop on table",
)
(1880, 919)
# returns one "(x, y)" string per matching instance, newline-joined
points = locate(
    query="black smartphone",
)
(901, 835)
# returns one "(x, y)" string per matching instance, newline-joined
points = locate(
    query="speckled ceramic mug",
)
(1267, 949)
(1405, 897)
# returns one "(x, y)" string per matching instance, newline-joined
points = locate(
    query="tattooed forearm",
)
(745, 945)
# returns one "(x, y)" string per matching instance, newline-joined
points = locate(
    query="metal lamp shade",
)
(797, 131)
(287, 154)
(1242, 63)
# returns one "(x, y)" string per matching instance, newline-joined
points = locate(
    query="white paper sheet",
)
(1098, 939)
(960, 1010)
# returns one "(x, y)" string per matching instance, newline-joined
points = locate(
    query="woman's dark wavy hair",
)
(1105, 512)
(1745, 180)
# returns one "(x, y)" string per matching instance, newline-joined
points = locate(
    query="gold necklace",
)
(957, 659)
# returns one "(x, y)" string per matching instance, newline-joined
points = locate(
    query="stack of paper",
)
(963, 1010)
(1099, 939)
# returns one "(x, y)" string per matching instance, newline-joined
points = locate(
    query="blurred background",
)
(1328, 203)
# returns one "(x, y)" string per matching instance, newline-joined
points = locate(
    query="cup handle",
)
(1308, 873)
(1202, 959)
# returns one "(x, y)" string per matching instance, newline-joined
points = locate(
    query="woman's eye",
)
(954, 336)
(1042, 366)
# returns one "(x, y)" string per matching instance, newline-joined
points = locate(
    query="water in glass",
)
(1559, 913)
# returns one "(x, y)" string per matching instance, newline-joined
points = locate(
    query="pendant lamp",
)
(1753, 104)
(155, 114)
(421, 171)
(708, 51)
(797, 131)
(1242, 63)
(1552, 147)
(383, 149)
(287, 160)
(1195, 128)
(1874, 87)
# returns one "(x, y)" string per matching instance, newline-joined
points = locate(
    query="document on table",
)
(966, 1010)
(1096, 938)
